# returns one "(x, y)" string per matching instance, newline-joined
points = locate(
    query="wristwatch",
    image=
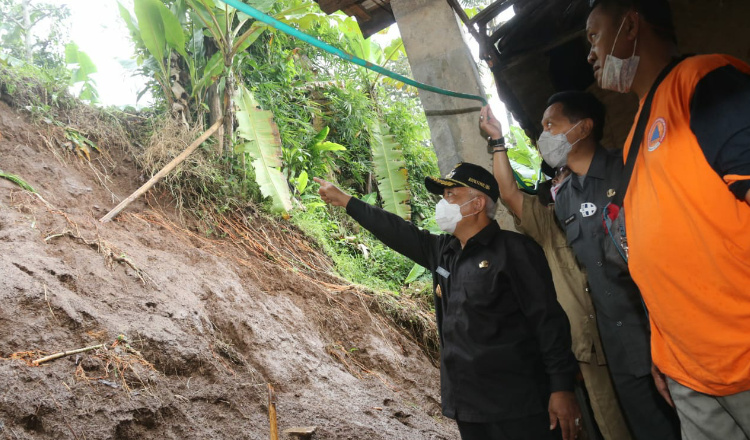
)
(492, 144)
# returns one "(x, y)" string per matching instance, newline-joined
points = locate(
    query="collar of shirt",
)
(484, 237)
(597, 169)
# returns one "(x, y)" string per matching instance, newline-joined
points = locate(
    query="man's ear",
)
(632, 25)
(587, 128)
(482, 202)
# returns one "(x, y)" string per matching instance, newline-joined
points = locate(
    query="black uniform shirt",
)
(505, 341)
(623, 323)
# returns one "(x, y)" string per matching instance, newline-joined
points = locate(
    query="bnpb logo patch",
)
(656, 134)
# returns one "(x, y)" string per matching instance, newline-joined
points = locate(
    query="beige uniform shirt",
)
(572, 289)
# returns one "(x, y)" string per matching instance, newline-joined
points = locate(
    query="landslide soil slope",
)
(203, 332)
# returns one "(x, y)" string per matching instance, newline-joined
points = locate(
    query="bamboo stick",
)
(164, 171)
(272, 413)
(52, 357)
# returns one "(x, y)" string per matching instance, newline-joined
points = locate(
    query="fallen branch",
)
(164, 171)
(52, 357)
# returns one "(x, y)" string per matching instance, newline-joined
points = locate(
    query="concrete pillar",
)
(438, 56)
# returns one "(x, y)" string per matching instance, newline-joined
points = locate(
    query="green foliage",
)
(332, 229)
(313, 157)
(524, 156)
(39, 91)
(39, 41)
(17, 180)
(81, 70)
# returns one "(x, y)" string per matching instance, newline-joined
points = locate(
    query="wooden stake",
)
(272, 413)
(52, 357)
(164, 171)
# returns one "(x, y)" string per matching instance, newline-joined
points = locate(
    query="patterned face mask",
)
(618, 74)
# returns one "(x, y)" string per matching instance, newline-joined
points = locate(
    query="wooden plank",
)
(379, 20)
(331, 6)
(301, 432)
(357, 11)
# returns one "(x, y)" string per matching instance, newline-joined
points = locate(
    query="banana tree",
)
(157, 29)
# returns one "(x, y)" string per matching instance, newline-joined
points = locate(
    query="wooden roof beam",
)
(331, 6)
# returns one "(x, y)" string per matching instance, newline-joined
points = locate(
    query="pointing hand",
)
(330, 194)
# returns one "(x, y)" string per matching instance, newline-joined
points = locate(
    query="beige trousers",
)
(604, 403)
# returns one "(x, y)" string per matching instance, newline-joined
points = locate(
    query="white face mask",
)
(618, 74)
(447, 215)
(556, 188)
(554, 148)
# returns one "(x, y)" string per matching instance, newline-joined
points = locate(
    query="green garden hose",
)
(256, 14)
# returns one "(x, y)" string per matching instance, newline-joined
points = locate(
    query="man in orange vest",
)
(687, 210)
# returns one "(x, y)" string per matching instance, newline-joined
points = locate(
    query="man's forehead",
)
(597, 18)
(553, 112)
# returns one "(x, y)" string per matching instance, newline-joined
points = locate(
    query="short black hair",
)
(581, 105)
(656, 12)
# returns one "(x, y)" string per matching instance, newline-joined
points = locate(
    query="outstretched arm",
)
(395, 232)
(501, 168)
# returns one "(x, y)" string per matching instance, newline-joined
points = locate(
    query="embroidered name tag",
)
(442, 272)
(570, 219)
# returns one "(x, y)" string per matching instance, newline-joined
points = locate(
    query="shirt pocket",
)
(563, 253)
(489, 294)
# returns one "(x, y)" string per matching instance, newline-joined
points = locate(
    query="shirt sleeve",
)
(720, 120)
(403, 237)
(535, 292)
(537, 219)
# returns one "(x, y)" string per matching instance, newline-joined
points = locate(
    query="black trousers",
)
(646, 412)
(526, 428)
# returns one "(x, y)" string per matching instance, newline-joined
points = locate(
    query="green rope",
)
(256, 14)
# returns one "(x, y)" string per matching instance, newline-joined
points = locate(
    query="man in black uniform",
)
(573, 126)
(506, 369)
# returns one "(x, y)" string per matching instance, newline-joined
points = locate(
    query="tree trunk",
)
(229, 112)
(215, 108)
(228, 94)
(27, 32)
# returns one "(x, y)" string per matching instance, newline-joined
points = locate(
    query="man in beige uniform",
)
(535, 217)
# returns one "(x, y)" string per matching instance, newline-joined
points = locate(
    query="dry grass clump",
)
(104, 127)
(197, 183)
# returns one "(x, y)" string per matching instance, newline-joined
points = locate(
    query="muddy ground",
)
(194, 329)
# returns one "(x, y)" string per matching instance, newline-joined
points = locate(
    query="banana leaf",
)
(390, 171)
(151, 26)
(17, 180)
(263, 145)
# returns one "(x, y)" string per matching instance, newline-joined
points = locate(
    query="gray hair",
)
(490, 206)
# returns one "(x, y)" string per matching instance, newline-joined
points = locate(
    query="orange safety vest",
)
(689, 240)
